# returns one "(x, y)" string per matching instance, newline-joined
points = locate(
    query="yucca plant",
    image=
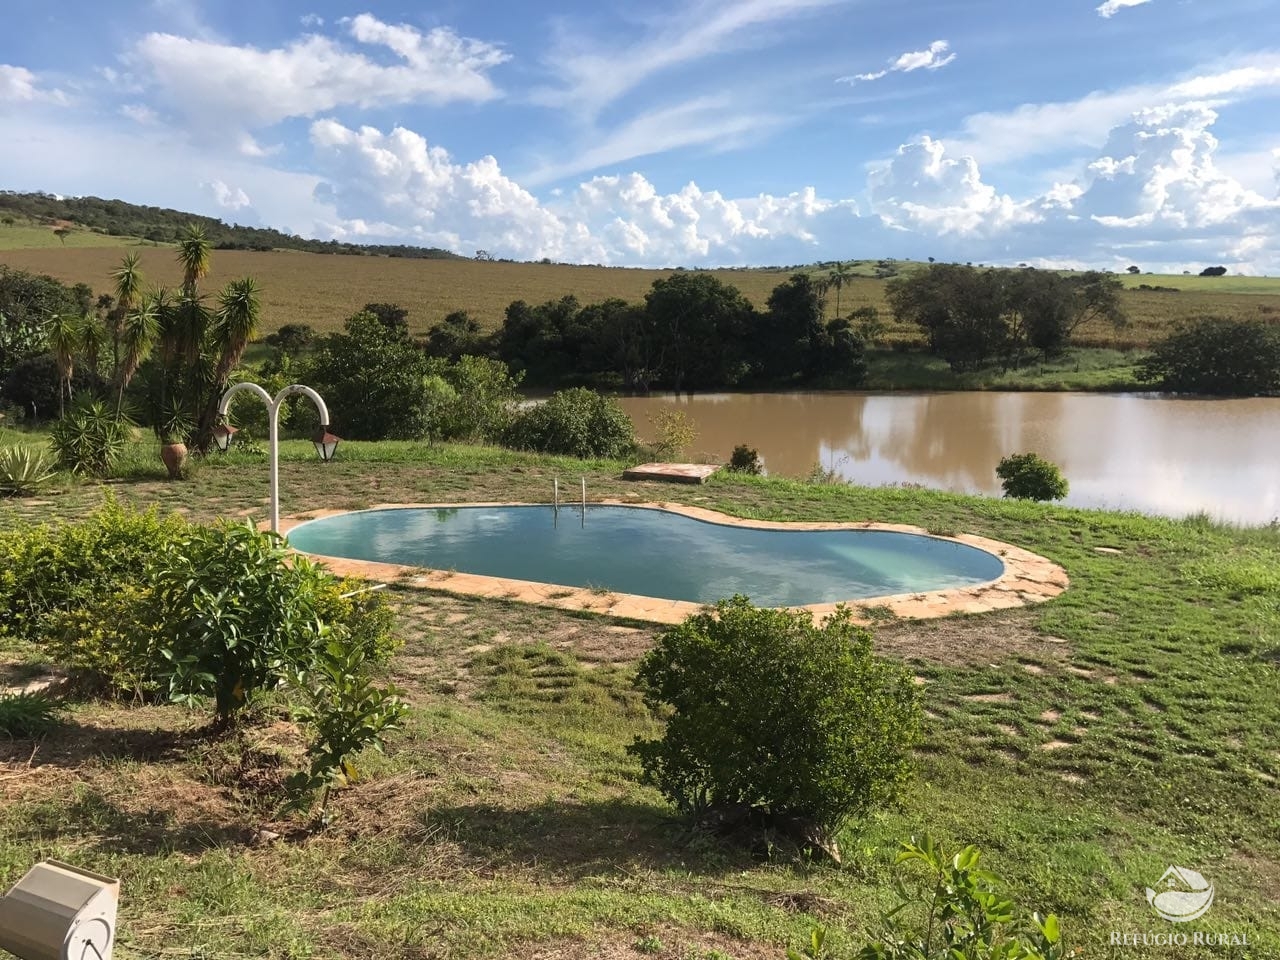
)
(91, 437)
(23, 470)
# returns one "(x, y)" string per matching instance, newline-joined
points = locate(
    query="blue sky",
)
(699, 132)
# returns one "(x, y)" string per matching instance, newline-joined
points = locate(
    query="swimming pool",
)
(652, 552)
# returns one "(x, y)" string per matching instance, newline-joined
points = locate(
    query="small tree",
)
(1028, 476)
(745, 460)
(673, 432)
(1135, 270)
(773, 719)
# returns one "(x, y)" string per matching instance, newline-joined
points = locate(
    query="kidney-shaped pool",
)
(652, 552)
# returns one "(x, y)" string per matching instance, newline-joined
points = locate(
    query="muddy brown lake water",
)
(1123, 451)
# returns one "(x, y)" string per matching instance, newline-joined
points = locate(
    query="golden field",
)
(323, 289)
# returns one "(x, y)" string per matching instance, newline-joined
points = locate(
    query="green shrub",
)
(23, 470)
(1217, 356)
(769, 715)
(745, 460)
(242, 615)
(485, 398)
(955, 911)
(577, 422)
(1028, 476)
(673, 431)
(90, 438)
(346, 713)
(48, 569)
(27, 715)
(364, 614)
(109, 642)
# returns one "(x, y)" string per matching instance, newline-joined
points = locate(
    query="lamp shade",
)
(326, 443)
(222, 435)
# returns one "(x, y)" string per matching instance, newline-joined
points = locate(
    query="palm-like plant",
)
(137, 334)
(236, 323)
(63, 333)
(193, 256)
(840, 274)
(129, 295)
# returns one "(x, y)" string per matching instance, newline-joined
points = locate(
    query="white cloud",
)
(310, 20)
(398, 186)
(246, 87)
(922, 188)
(1002, 137)
(1111, 7)
(705, 120)
(19, 85)
(934, 57)
(140, 113)
(593, 75)
(229, 198)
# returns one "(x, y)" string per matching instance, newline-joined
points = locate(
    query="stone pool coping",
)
(1027, 577)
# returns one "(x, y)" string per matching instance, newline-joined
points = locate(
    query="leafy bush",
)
(90, 438)
(27, 715)
(292, 338)
(770, 716)
(1217, 356)
(673, 432)
(347, 713)
(745, 460)
(243, 615)
(957, 912)
(23, 470)
(1028, 476)
(364, 614)
(109, 642)
(485, 398)
(47, 570)
(577, 422)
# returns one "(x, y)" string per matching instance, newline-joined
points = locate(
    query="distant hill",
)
(116, 218)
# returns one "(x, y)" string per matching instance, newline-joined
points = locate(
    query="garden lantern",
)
(326, 443)
(222, 435)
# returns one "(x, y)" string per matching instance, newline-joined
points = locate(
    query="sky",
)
(1097, 133)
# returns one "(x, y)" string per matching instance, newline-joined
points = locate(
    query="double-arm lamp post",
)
(325, 442)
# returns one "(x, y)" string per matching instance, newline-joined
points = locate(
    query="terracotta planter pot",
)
(174, 456)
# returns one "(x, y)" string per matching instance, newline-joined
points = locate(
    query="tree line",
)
(692, 332)
(972, 317)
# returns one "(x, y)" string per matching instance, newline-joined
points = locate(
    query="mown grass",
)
(323, 290)
(1085, 744)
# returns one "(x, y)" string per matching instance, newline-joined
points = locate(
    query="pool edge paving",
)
(1027, 577)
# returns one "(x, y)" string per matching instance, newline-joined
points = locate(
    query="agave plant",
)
(23, 470)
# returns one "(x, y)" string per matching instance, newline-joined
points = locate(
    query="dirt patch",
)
(968, 640)
(988, 698)
(1054, 745)
(666, 943)
(1050, 716)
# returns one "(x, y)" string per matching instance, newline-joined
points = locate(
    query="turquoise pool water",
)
(653, 553)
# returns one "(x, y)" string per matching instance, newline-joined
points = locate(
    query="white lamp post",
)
(325, 442)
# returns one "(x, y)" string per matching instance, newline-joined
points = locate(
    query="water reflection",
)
(1147, 453)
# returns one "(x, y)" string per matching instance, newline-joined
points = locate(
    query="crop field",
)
(323, 290)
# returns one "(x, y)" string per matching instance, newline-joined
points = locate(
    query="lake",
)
(1124, 451)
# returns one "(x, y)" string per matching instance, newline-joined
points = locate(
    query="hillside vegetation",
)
(117, 218)
(323, 290)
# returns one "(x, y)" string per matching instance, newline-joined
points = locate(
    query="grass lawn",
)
(1085, 745)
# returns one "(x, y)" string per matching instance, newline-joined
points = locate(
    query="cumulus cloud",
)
(19, 85)
(139, 113)
(246, 87)
(934, 57)
(397, 185)
(311, 20)
(229, 198)
(1112, 7)
(922, 188)
(1086, 122)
